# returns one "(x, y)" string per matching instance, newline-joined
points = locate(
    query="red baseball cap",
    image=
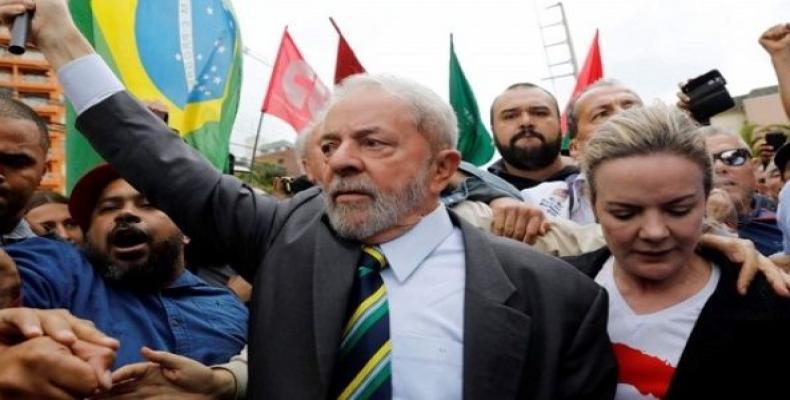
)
(87, 191)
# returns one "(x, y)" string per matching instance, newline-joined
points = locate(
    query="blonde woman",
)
(677, 323)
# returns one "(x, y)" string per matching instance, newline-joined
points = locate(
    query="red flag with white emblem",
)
(295, 92)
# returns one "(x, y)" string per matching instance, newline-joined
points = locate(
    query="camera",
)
(708, 95)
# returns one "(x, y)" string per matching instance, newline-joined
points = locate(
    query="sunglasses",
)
(733, 158)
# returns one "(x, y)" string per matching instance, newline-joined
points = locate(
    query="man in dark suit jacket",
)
(512, 323)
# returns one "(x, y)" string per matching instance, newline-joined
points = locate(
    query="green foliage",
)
(752, 133)
(263, 175)
(747, 129)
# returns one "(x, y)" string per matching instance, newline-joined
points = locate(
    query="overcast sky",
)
(649, 45)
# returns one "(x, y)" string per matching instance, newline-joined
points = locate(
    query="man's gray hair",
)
(300, 144)
(572, 114)
(433, 117)
(710, 130)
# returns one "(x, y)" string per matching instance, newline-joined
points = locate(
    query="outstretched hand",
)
(169, 376)
(742, 252)
(42, 368)
(17, 324)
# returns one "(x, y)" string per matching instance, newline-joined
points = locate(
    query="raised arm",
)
(216, 210)
(776, 41)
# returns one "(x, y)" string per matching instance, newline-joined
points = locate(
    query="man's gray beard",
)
(385, 211)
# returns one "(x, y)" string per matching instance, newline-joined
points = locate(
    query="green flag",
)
(474, 141)
(185, 55)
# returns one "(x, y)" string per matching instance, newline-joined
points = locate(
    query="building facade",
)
(761, 107)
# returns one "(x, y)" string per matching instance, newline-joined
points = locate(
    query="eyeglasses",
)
(733, 158)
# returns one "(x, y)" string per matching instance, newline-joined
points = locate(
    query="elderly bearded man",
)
(371, 288)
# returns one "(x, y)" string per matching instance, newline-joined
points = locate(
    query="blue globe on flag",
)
(186, 47)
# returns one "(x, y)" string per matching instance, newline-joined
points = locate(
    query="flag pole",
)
(263, 109)
(255, 147)
(332, 20)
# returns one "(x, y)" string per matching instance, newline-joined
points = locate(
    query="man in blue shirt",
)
(24, 142)
(131, 280)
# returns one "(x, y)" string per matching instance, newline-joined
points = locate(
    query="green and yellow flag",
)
(184, 54)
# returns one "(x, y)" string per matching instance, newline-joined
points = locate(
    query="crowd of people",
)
(650, 262)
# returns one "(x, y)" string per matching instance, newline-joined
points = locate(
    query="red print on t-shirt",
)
(647, 373)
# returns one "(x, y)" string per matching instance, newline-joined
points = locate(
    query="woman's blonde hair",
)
(654, 129)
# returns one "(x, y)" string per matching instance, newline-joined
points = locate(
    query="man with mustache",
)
(587, 111)
(733, 173)
(525, 120)
(130, 280)
(24, 141)
(371, 289)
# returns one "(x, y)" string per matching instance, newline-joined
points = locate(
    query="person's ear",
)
(575, 149)
(446, 164)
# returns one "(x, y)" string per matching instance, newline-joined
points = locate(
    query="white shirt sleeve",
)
(87, 81)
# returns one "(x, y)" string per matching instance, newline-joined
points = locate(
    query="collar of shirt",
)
(21, 231)
(405, 253)
(185, 280)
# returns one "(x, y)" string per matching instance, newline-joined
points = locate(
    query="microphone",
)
(19, 33)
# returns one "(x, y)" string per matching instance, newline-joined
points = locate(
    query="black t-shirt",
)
(498, 169)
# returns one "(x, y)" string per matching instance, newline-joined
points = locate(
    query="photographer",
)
(765, 142)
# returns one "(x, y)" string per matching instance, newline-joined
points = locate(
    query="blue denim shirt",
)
(760, 227)
(189, 317)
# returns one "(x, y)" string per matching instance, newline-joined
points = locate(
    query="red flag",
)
(347, 63)
(591, 72)
(295, 93)
(592, 69)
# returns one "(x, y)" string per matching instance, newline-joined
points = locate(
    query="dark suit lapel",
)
(333, 275)
(713, 332)
(589, 263)
(496, 336)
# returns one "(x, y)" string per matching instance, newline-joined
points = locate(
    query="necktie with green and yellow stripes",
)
(363, 364)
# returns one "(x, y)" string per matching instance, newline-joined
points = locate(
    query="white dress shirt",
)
(425, 282)
(425, 289)
(87, 81)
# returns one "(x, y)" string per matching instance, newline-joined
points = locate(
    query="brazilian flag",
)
(184, 54)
